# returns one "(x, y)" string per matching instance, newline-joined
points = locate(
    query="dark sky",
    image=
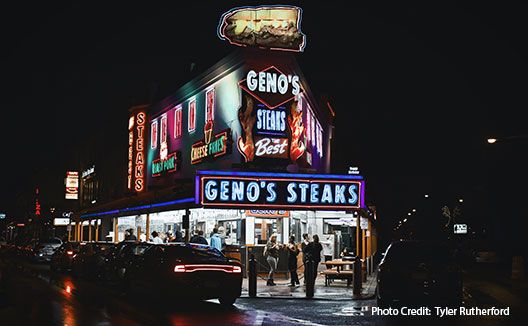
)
(416, 90)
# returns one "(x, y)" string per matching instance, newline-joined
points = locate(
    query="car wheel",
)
(227, 300)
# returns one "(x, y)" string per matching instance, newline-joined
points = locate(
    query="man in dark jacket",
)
(129, 235)
(198, 238)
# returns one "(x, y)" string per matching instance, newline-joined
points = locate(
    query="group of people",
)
(156, 237)
(311, 250)
(217, 237)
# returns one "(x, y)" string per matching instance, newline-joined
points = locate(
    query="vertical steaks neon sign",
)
(136, 143)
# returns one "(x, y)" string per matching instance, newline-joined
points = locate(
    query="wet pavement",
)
(38, 298)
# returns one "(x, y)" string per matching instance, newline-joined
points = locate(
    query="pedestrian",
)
(314, 249)
(198, 238)
(155, 238)
(222, 237)
(304, 244)
(293, 251)
(129, 235)
(177, 234)
(271, 252)
(216, 241)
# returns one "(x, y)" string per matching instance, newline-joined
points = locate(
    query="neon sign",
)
(169, 164)
(278, 191)
(271, 86)
(271, 27)
(136, 163)
(209, 148)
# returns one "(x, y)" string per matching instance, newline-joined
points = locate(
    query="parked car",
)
(63, 257)
(88, 263)
(120, 258)
(40, 250)
(420, 272)
(193, 271)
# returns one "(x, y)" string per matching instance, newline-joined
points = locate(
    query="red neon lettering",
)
(139, 158)
(140, 131)
(139, 171)
(139, 185)
(139, 144)
(141, 118)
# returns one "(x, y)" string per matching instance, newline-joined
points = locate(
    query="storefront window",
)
(266, 227)
(137, 223)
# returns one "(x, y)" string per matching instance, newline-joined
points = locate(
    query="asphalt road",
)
(36, 299)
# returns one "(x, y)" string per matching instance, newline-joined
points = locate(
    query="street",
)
(35, 298)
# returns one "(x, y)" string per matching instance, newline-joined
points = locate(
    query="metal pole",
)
(252, 274)
(310, 282)
(357, 276)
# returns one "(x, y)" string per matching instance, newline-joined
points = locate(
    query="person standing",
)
(314, 249)
(155, 238)
(271, 252)
(222, 236)
(216, 241)
(304, 245)
(198, 238)
(293, 251)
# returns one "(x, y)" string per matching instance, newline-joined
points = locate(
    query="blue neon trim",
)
(180, 201)
(281, 175)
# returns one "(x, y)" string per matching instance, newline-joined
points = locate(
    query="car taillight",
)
(237, 269)
(179, 269)
(69, 252)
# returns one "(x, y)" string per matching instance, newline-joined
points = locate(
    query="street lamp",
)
(461, 200)
(414, 210)
(494, 140)
(426, 196)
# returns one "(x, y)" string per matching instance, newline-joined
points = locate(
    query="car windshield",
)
(405, 252)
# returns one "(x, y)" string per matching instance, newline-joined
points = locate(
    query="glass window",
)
(266, 227)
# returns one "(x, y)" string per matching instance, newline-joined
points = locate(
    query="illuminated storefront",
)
(245, 146)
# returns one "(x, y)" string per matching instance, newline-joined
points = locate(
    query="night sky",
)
(416, 90)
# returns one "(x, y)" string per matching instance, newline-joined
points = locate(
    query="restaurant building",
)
(245, 146)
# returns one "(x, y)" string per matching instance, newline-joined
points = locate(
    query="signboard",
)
(271, 116)
(169, 164)
(270, 27)
(267, 213)
(278, 190)
(136, 148)
(210, 147)
(59, 221)
(88, 172)
(460, 228)
(72, 185)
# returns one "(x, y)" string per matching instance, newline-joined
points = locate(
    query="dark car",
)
(420, 272)
(120, 259)
(88, 263)
(62, 259)
(41, 250)
(190, 271)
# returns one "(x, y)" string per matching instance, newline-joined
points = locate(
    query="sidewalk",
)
(337, 290)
